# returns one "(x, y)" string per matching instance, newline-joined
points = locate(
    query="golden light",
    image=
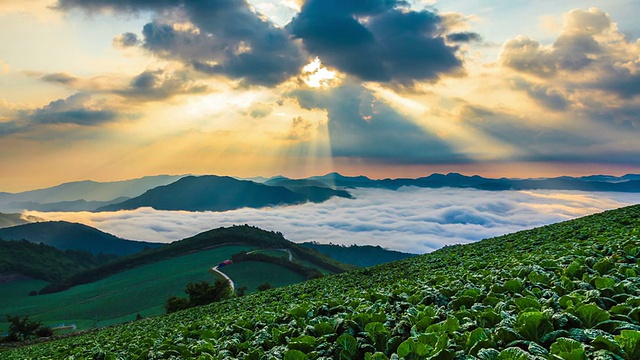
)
(314, 75)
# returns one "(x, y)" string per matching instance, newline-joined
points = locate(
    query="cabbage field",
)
(564, 291)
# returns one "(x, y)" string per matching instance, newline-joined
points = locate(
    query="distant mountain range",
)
(71, 236)
(220, 193)
(626, 183)
(81, 195)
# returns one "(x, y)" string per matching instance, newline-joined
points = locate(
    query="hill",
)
(564, 291)
(358, 255)
(38, 261)
(248, 236)
(221, 193)
(72, 236)
(8, 220)
(118, 290)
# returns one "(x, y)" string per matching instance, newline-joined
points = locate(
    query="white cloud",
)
(410, 219)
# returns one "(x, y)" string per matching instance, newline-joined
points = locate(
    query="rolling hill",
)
(117, 290)
(72, 236)
(221, 193)
(564, 291)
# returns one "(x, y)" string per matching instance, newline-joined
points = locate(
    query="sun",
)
(317, 76)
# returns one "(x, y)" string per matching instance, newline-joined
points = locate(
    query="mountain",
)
(221, 193)
(40, 261)
(359, 255)
(72, 236)
(561, 291)
(295, 183)
(90, 190)
(8, 220)
(76, 205)
(626, 183)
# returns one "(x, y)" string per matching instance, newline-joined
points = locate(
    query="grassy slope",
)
(141, 282)
(140, 290)
(432, 304)
(244, 235)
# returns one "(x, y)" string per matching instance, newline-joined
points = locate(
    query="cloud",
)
(393, 44)
(589, 53)
(410, 219)
(464, 37)
(362, 127)
(260, 110)
(215, 37)
(153, 85)
(61, 78)
(549, 97)
(78, 110)
(126, 40)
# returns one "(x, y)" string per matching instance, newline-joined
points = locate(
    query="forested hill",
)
(72, 236)
(39, 261)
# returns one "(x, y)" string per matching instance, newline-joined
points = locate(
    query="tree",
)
(175, 303)
(21, 329)
(264, 286)
(241, 291)
(200, 293)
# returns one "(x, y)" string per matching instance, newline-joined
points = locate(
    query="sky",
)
(415, 220)
(117, 89)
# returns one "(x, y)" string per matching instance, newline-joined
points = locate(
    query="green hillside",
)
(564, 291)
(118, 290)
(236, 235)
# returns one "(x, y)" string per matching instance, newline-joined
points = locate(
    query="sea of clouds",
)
(410, 219)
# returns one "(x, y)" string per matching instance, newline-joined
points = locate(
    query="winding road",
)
(215, 269)
(233, 287)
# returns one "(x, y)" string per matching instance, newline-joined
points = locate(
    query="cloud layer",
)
(410, 219)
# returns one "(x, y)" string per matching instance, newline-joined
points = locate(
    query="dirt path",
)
(216, 270)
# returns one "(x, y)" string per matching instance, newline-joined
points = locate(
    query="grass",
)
(254, 273)
(115, 299)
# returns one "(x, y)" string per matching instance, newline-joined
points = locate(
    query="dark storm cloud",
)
(392, 45)
(158, 85)
(362, 127)
(230, 40)
(464, 37)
